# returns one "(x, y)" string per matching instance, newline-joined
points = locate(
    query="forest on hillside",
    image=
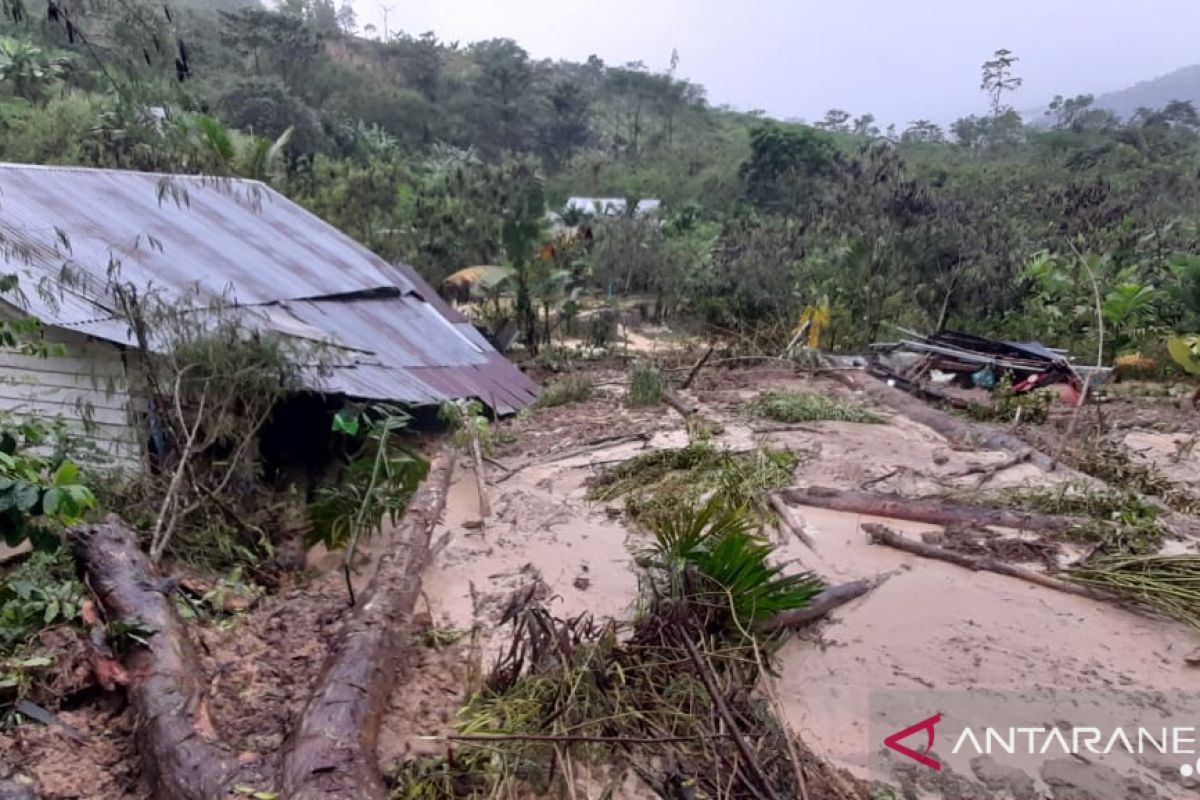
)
(449, 154)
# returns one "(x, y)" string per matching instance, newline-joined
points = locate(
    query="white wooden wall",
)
(86, 386)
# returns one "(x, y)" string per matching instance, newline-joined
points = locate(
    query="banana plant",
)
(1128, 310)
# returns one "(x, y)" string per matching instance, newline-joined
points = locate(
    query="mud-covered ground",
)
(929, 625)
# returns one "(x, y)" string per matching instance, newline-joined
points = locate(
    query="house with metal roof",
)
(602, 206)
(232, 241)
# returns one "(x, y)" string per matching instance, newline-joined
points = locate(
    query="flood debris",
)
(970, 361)
(668, 698)
(881, 534)
(935, 512)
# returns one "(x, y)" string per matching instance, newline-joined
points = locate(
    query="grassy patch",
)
(646, 384)
(1120, 522)
(1113, 464)
(657, 482)
(1168, 585)
(787, 405)
(571, 389)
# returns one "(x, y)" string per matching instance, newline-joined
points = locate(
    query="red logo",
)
(893, 742)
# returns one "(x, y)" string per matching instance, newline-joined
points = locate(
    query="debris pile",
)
(969, 361)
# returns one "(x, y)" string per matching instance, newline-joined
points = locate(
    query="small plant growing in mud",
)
(711, 554)
(646, 384)
(786, 405)
(570, 389)
(467, 423)
(378, 483)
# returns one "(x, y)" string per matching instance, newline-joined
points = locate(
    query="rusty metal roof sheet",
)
(244, 242)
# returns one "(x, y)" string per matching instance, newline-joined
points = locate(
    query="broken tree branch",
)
(331, 755)
(881, 534)
(822, 604)
(787, 521)
(933, 512)
(176, 739)
(751, 765)
(695, 370)
(603, 443)
(988, 471)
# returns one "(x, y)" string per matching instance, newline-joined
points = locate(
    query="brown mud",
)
(929, 625)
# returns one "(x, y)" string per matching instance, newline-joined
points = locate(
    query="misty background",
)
(795, 60)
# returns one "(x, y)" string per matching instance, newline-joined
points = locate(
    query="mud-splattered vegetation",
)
(785, 405)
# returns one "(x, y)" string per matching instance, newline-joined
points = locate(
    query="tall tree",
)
(567, 125)
(998, 79)
(503, 78)
(836, 120)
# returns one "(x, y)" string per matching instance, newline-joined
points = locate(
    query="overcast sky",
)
(899, 59)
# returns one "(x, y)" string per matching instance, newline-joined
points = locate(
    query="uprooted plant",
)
(1167, 585)
(669, 700)
(1118, 522)
(660, 480)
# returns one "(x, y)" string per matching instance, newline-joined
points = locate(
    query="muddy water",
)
(541, 529)
(933, 625)
(930, 626)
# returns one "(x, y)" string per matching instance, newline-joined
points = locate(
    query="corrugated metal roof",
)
(245, 242)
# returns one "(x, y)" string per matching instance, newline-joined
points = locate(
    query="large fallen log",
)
(987, 437)
(933, 512)
(331, 755)
(180, 751)
(881, 534)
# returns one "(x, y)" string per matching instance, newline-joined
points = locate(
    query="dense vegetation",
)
(448, 155)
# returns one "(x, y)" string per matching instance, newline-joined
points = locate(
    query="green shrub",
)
(786, 405)
(571, 389)
(646, 384)
(1034, 407)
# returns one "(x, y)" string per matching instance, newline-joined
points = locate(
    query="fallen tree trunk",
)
(881, 534)
(176, 739)
(933, 512)
(821, 605)
(981, 435)
(331, 755)
(675, 401)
